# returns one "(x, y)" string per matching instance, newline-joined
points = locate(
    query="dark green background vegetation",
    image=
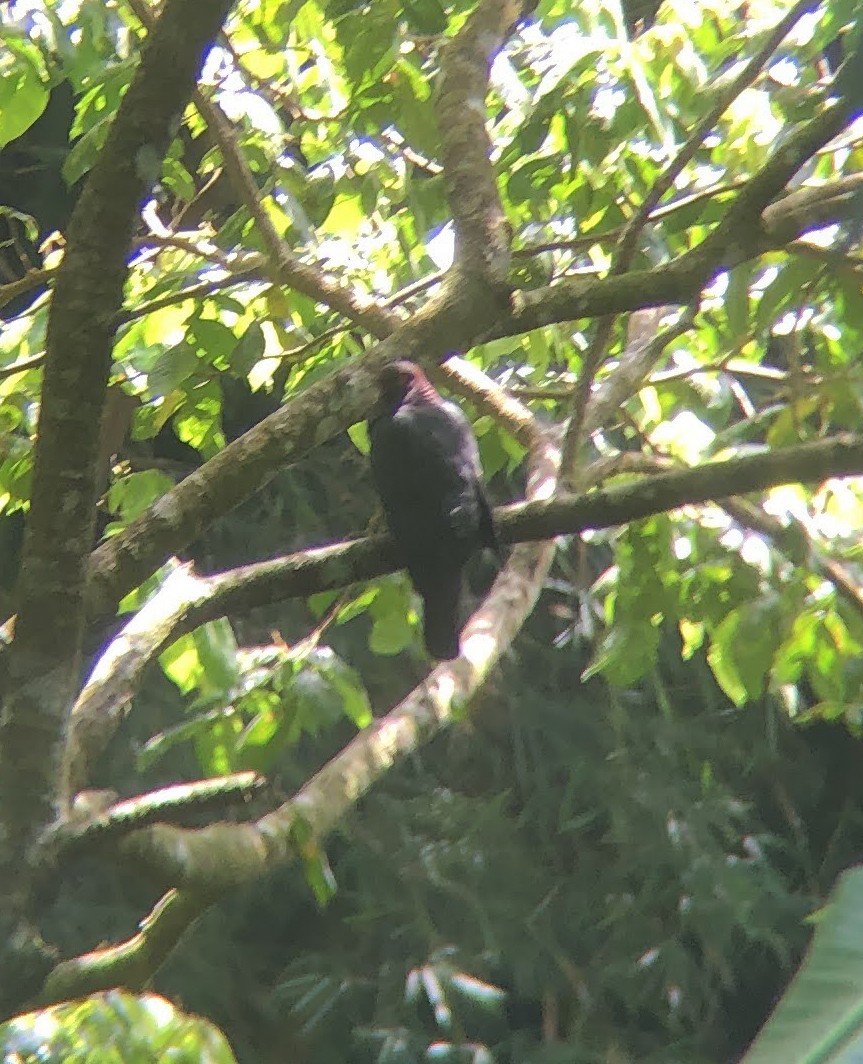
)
(617, 851)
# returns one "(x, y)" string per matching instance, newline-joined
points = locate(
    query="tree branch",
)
(43, 662)
(682, 280)
(85, 830)
(743, 225)
(482, 233)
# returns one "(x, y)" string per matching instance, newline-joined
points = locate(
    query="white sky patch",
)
(787, 500)
(162, 1011)
(505, 79)
(753, 106)
(751, 547)
(239, 104)
(785, 72)
(754, 551)
(65, 10)
(823, 238)
(838, 508)
(793, 321)
(684, 360)
(804, 29)
(367, 152)
(216, 59)
(606, 102)
(682, 548)
(834, 512)
(441, 247)
(714, 293)
(684, 436)
(765, 279)
(45, 1025)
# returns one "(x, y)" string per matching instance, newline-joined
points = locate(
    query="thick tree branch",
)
(482, 234)
(88, 827)
(743, 225)
(130, 964)
(812, 207)
(682, 280)
(43, 663)
(839, 456)
(466, 379)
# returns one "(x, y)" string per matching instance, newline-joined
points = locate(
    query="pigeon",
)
(426, 466)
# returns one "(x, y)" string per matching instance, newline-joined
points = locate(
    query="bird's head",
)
(404, 381)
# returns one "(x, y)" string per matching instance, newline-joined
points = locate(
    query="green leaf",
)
(215, 339)
(197, 423)
(626, 654)
(359, 436)
(737, 303)
(181, 663)
(26, 221)
(426, 17)
(132, 494)
(216, 747)
(249, 351)
(348, 684)
(217, 653)
(370, 43)
(743, 647)
(114, 1027)
(23, 98)
(319, 874)
(263, 727)
(173, 368)
(84, 151)
(820, 1018)
(391, 630)
(189, 730)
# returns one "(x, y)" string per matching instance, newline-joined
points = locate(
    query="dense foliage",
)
(613, 854)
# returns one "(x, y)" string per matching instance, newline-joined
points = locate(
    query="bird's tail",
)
(441, 619)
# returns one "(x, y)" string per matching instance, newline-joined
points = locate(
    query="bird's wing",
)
(426, 463)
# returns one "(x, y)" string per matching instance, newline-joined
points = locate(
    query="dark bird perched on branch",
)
(426, 464)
